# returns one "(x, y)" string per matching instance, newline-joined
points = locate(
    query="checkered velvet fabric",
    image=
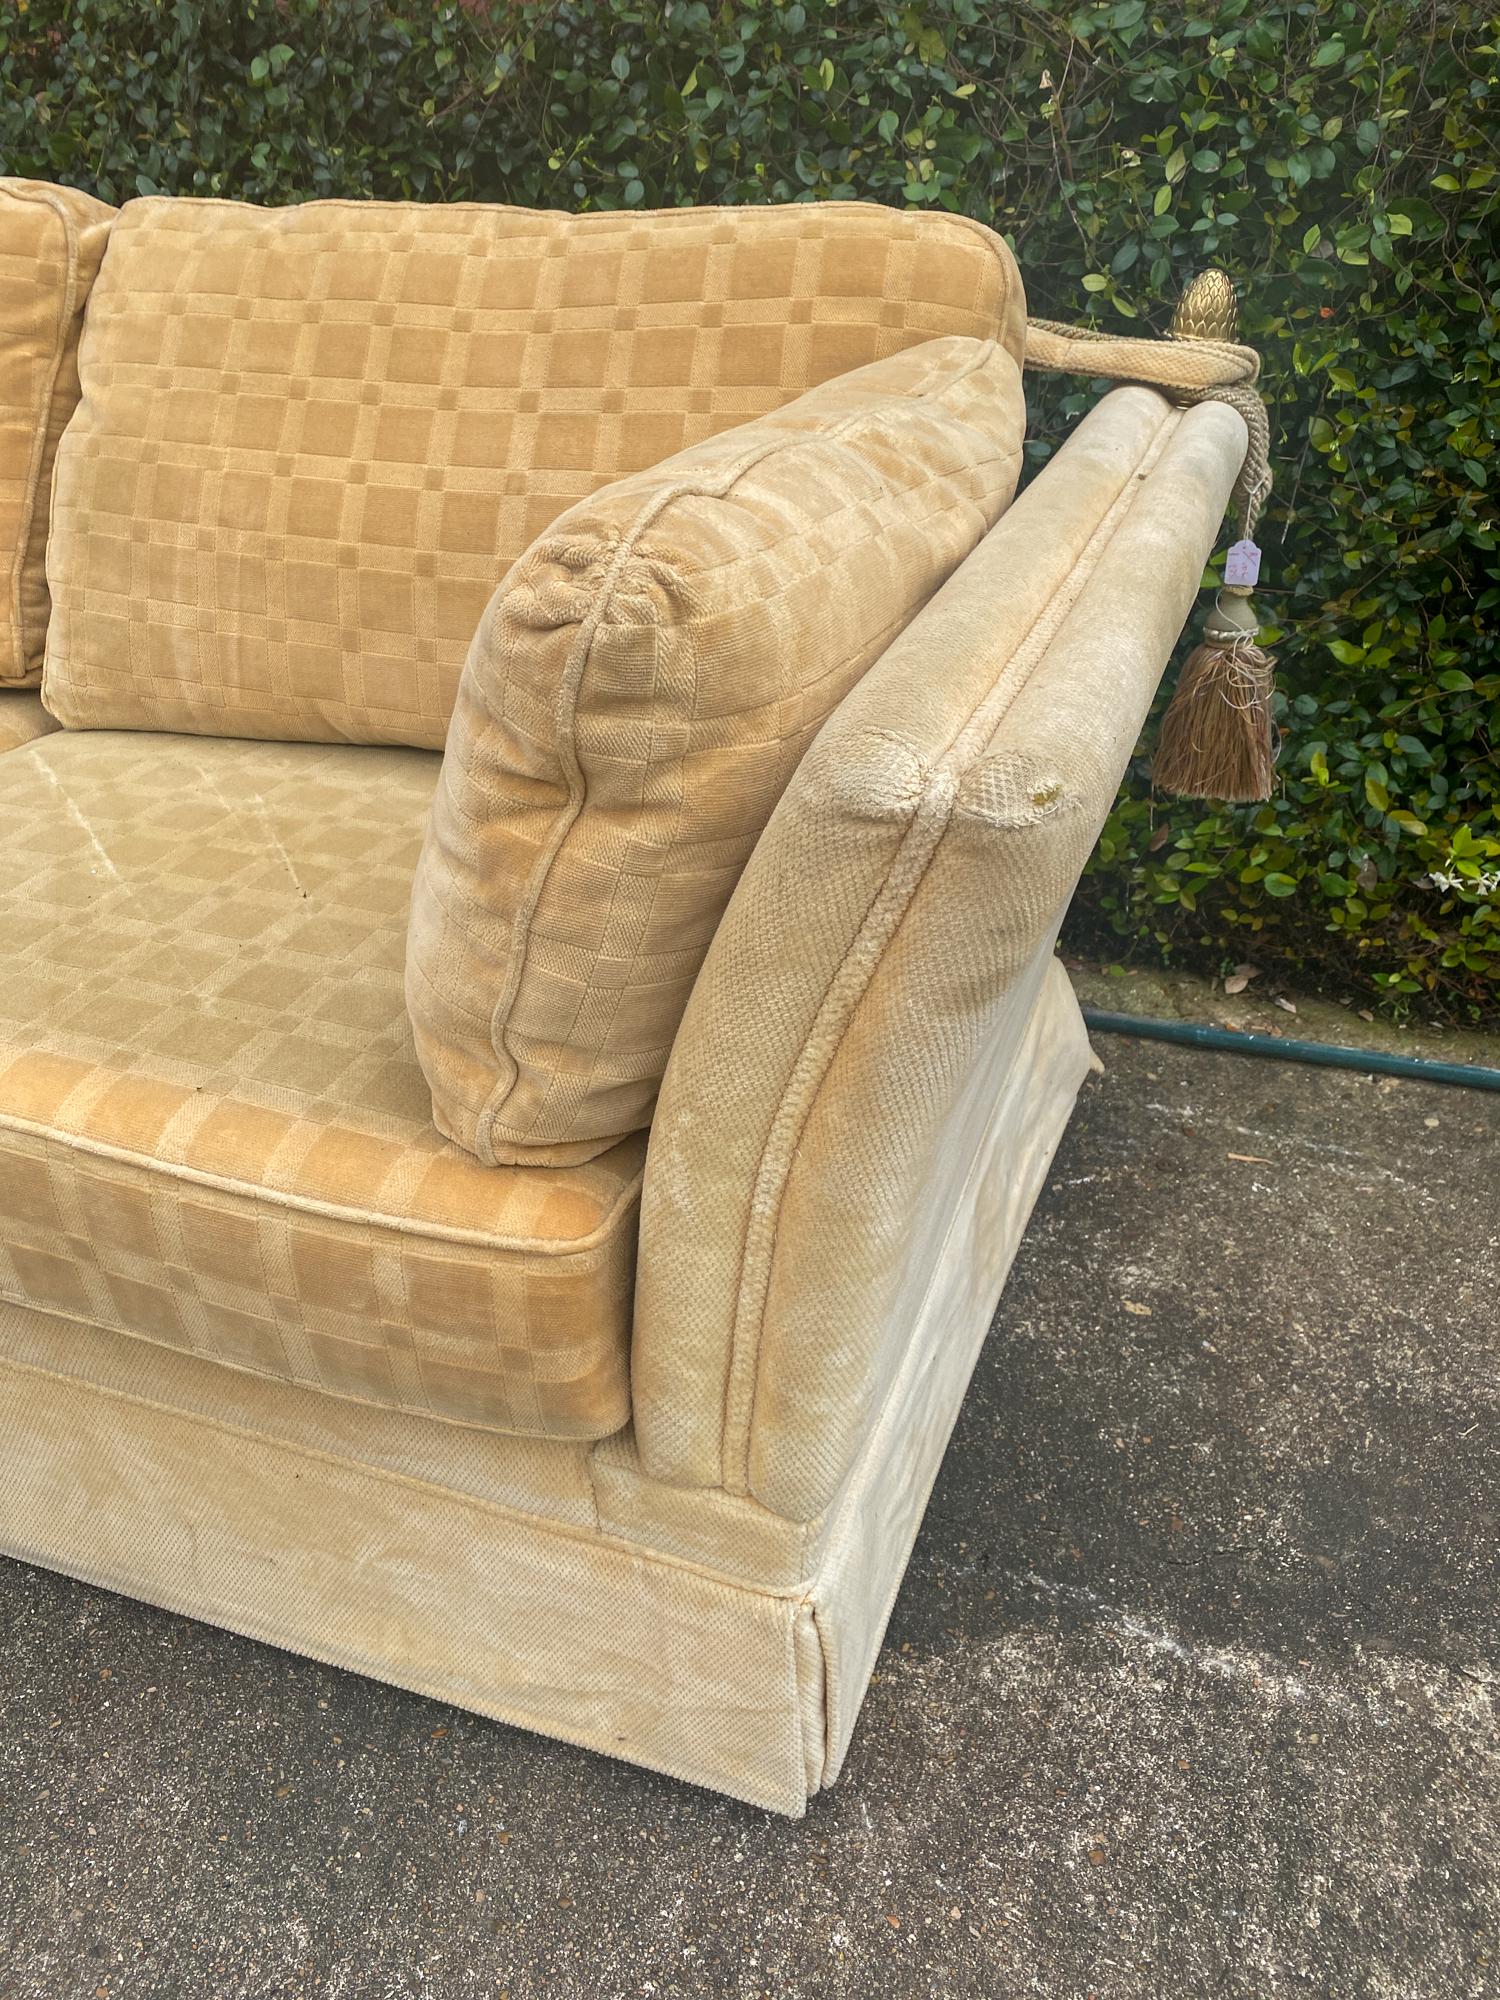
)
(51, 240)
(638, 695)
(313, 440)
(213, 1130)
(22, 718)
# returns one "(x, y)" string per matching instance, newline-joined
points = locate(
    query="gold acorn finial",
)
(1208, 309)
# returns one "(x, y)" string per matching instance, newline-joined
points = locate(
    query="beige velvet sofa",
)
(530, 1027)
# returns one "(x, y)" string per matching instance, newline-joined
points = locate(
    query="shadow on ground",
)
(1189, 1691)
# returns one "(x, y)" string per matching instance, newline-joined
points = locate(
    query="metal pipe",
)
(1190, 1034)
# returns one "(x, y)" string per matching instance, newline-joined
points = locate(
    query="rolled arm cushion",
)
(639, 692)
(875, 970)
(51, 241)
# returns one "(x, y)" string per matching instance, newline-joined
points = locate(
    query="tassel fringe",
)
(1217, 740)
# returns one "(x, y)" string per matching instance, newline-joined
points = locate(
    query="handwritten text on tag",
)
(1242, 564)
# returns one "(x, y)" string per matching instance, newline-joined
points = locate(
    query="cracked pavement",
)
(1189, 1691)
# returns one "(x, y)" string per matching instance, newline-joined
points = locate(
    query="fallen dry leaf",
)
(1286, 1006)
(1141, 1312)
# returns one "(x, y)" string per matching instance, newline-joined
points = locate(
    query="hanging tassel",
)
(1217, 740)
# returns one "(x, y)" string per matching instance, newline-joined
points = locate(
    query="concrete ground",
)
(1190, 1690)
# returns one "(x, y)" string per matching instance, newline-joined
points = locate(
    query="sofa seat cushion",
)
(51, 241)
(22, 718)
(314, 439)
(638, 694)
(213, 1130)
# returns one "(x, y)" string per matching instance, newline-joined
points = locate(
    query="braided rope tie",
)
(1189, 370)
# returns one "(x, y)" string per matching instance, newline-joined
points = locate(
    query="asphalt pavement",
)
(1190, 1690)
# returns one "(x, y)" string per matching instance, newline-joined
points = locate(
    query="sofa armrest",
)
(885, 941)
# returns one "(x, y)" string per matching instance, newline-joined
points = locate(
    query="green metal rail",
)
(1189, 1034)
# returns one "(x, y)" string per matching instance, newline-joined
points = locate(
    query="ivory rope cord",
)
(1190, 369)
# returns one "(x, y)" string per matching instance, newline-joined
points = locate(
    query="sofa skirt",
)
(500, 1580)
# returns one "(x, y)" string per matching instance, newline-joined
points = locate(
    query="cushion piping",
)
(967, 224)
(335, 1211)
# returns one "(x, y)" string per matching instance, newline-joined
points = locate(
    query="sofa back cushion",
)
(51, 240)
(313, 440)
(639, 692)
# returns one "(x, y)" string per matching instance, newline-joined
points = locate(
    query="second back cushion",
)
(313, 440)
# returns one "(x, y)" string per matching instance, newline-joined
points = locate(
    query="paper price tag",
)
(1242, 564)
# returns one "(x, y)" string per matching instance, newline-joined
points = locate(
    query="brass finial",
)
(1208, 309)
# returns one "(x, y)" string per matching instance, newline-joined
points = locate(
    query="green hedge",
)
(1339, 158)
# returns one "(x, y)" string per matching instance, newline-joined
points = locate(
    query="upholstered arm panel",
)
(879, 961)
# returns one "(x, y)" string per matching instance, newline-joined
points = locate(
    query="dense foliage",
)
(1337, 155)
